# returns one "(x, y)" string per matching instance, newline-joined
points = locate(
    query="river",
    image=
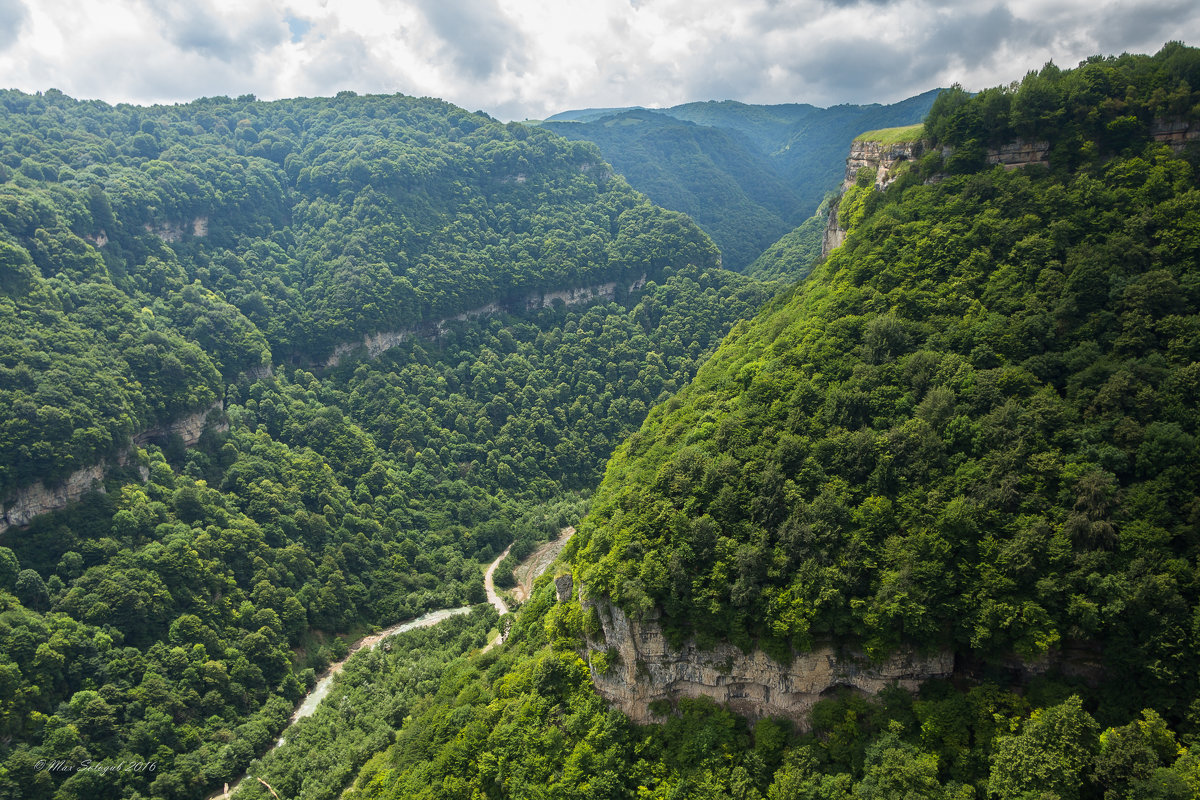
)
(318, 693)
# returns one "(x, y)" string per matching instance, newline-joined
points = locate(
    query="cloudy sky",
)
(531, 58)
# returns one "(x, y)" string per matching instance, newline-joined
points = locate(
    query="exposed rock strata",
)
(375, 344)
(562, 587)
(32, 501)
(188, 427)
(1021, 153)
(1176, 132)
(647, 669)
(174, 231)
(881, 159)
(834, 235)
(38, 498)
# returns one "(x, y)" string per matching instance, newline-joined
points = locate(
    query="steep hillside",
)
(934, 513)
(709, 173)
(979, 404)
(747, 174)
(164, 274)
(150, 254)
(793, 255)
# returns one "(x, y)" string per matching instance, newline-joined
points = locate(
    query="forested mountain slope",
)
(157, 261)
(714, 175)
(747, 174)
(981, 403)
(975, 428)
(147, 255)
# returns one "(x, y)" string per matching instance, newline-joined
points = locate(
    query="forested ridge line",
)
(178, 617)
(973, 428)
(326, 219)
(748, 174)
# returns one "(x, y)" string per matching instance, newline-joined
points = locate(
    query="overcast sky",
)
(531, 58)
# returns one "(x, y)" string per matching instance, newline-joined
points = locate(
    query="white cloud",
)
(517, 58)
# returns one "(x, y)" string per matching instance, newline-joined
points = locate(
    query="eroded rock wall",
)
(375, 344)
(1021, 153)
(32, 501)
(1178, 133)
(28, 502)
(880, 159)
(647, 668)
(188, 427)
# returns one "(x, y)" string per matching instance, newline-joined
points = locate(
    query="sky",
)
(527, 59)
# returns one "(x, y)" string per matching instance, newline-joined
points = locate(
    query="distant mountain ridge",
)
(747, 174)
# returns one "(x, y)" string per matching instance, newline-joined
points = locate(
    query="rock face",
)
(31, 501)
(834, 235)
(647, 669)
(187, 428)
(1175, 132)
(375, 344)
(881, 159)
(174, 231)
(562, 587)
(1021, 153)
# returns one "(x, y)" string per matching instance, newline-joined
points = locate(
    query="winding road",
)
(319, 692)
(490, 585)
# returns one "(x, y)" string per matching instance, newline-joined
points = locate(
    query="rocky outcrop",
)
(39, 498)
(1021, 153)
(259, 372)
(375, 344)
(834, 235)
(32, 501)
(647, 669)
(188, 427)
(174, 231)
(574, 297)
(1178, 133)
(881, 159)
(562, 587)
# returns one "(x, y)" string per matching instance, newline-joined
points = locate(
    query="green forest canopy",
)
(975, 426)
(155, 261)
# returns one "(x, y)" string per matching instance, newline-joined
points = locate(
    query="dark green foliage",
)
(156, 261)
(793, 256)
(974, 427)
(1106, 105)
(747, 174)
(149, 255)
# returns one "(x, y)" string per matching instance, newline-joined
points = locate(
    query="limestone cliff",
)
(1178, 133)
(882, 159)
(37, 499)
(175, 230)
(28, 502)
(1020, 153)
(834, 234)
(375, 344)
(646, 668)
(188, 427)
